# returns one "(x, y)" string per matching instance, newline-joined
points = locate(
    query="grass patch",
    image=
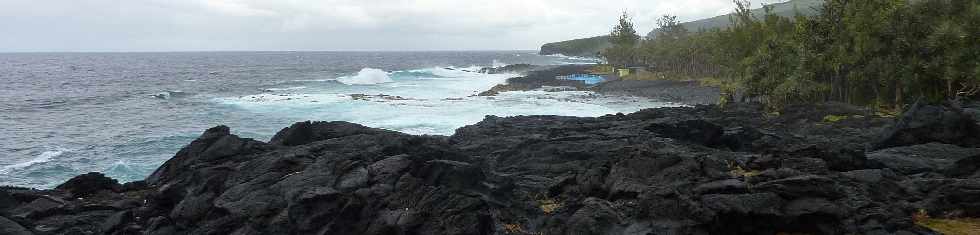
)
(516, 229)
(548, 206)
(838, 118)
(950, 226)
(738, 171)
(643, 75)
(602, 70)
(513, 228)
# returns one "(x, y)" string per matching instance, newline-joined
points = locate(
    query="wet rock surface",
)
(546, 78)
(697, 170)
(539, 77)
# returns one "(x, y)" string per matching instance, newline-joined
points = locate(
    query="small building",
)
(622, 72)
(630, 70)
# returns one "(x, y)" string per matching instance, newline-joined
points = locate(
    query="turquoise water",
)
(64, 114)
(586, 78)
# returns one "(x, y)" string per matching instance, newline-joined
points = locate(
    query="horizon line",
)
(199, 51)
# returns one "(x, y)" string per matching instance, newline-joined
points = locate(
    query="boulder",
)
(744, 204)
(741, 138)
(215, 145)
(41, 207)
(729, 186)
(932, 157)
(307, 132)
(806, 165)
(968, 167)
(695, 131)
(868, 176)
(596, 216)
(957, 199)
(802, 186)
(89, 184)
(812, 206)
(7, 200)
(9, 227)
(923, 123)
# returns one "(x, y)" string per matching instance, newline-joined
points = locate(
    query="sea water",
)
(124, 114)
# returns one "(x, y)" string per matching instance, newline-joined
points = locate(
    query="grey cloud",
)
(177, 25)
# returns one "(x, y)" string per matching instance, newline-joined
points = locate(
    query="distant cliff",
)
(592, 46)
(579, 47)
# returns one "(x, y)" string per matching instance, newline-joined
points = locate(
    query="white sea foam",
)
(274, 99)
(316, 80)
(432, 101)
(286, 89)
(498, 64)
(452, 72)
(366, 76)
(45, 156)
(576, 59)
(166, 95)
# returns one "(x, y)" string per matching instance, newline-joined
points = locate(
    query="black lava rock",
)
(690, 170)
(89, 184)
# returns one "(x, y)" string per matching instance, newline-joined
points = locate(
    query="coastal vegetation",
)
(876, 53)
(590, 47)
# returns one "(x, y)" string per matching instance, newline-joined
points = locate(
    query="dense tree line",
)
(880, 53)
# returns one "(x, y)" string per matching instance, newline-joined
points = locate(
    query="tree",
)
(624, 40)
(880, 53)
(623, 33)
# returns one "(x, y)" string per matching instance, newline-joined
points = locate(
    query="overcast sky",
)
(208, 25)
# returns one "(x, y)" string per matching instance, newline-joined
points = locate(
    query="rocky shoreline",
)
(687, 92)
(691, 170)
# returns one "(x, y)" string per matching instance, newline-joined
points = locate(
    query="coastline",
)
(684, 92)
(699, 170)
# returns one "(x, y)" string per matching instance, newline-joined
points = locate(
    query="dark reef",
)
(688, 92)
(697, 170)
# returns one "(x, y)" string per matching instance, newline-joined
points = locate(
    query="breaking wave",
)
(45, 156)
(366, 76)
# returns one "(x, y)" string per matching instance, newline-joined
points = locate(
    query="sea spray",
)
(367, 76)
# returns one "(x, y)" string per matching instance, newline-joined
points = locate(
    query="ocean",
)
(124, 114)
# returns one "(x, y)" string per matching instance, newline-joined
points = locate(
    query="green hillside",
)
(787, 9)
(586, 47)
(592, 46)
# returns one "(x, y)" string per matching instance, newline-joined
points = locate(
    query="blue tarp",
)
(586, 78)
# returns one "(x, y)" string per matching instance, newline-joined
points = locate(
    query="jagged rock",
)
(923, 123)
(968, 167)
(697, 131)
(9, 227)
(729, 186)
(806, 165)
(308, 132)
(957, 199)
(801, 186)
(513, 68)
(117, 220)
(744, 204)
(596, 216)
(870, 176)
(38, 208)
(810, 206)
(932, 157)
(7, 200)
(215, 144)
(88, 184)
(687, 170)
(740, 138)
